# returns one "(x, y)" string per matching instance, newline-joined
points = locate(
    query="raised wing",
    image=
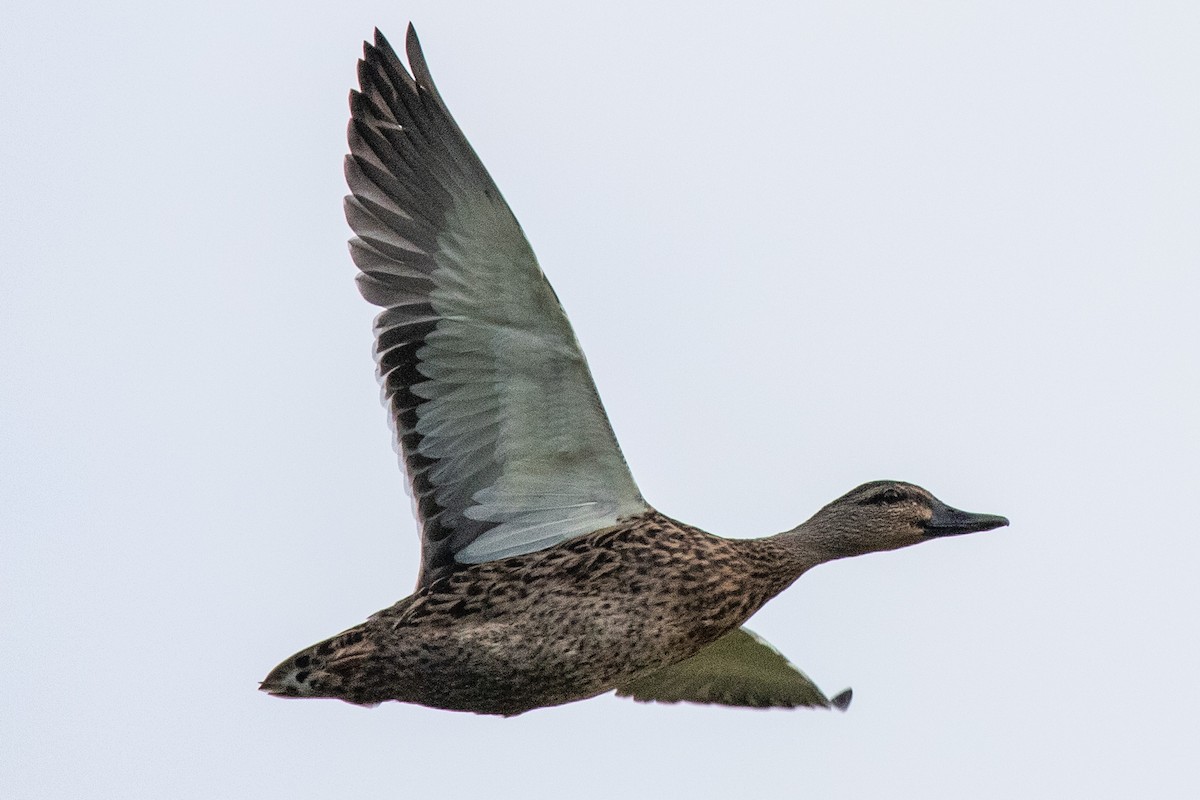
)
(505, 442)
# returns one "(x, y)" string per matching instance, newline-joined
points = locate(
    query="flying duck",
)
(545, 576)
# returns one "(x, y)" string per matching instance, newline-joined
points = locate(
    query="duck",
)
(545, 576)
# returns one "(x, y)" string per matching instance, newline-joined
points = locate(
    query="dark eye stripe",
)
(884, 497)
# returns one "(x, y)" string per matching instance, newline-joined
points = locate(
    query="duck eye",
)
(884, 497)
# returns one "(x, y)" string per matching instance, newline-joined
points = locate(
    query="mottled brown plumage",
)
(554, 626)
(550, 627)
(545, 575)
(594, 613)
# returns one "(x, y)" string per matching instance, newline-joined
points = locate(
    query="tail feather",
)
(323, 670)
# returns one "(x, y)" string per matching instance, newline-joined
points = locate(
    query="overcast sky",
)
(804, 245)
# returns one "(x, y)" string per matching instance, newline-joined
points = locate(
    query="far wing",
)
(506, 445)
(739, 669)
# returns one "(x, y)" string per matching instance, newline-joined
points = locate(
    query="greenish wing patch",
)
(739, 669)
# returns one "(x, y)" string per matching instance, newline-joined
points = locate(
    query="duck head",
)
(886, 515)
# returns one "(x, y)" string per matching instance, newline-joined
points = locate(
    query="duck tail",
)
(322, 670)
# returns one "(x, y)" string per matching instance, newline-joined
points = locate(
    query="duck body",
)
(551, 627)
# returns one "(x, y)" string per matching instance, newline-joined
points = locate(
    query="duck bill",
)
(947, 521)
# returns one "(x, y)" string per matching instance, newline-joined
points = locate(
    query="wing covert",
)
(503, 437)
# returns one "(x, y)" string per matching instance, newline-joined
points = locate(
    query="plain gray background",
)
(804, 245)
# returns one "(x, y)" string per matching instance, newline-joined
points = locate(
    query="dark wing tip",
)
(417, 63)
(381, 41)
(842, 701)
(384, 47)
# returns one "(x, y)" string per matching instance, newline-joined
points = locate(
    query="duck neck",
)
(808, 545)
